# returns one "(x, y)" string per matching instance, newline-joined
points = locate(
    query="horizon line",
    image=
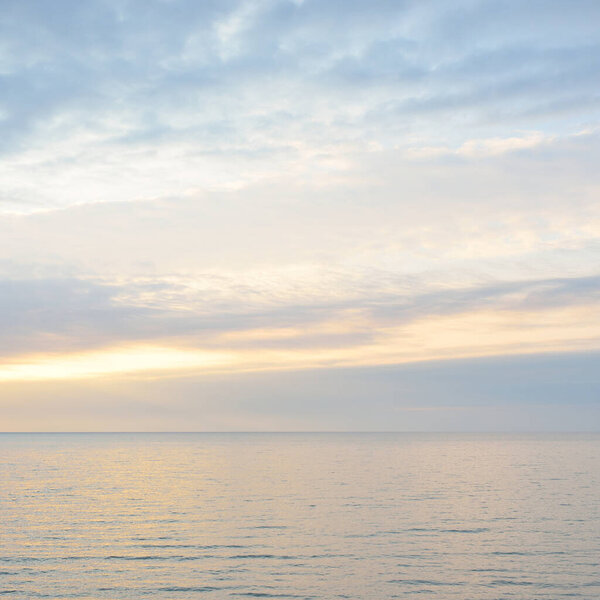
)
(328, 432)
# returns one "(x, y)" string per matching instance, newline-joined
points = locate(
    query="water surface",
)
(323, 516)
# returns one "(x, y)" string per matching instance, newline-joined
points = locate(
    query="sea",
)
(300, 515)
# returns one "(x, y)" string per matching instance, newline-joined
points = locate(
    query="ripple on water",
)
(362, 517)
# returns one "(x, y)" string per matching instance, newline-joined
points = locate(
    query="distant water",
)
(323, 516)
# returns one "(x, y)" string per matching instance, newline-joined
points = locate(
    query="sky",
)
(299, 215)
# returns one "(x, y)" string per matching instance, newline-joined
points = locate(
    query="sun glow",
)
(465, 335)
(133, 359)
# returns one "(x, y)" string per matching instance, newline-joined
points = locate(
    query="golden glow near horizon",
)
(466, 335)
(98, 363)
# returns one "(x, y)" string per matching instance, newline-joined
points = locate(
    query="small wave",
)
(149, 557)
(511, 582)
(205, 588)
(473, 530)
(26, 559)
(165, 546)
(425, 582)
(453, 530)
(482, 570)
(269, 556)
(268, 595)
(193, 546)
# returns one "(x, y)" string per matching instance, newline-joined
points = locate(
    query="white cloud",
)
(498, 145)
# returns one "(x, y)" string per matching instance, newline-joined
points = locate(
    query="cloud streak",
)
(127, 330)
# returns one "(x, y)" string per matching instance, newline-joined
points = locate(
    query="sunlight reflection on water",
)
(299, 516)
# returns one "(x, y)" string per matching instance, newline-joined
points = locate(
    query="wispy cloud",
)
(46, 322)
(190, 89)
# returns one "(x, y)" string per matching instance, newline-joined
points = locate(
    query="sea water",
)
(323, 516)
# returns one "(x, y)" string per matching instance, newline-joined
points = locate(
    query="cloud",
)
(295, 184)
(82, 325)
(224, 94)
(54, 315)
